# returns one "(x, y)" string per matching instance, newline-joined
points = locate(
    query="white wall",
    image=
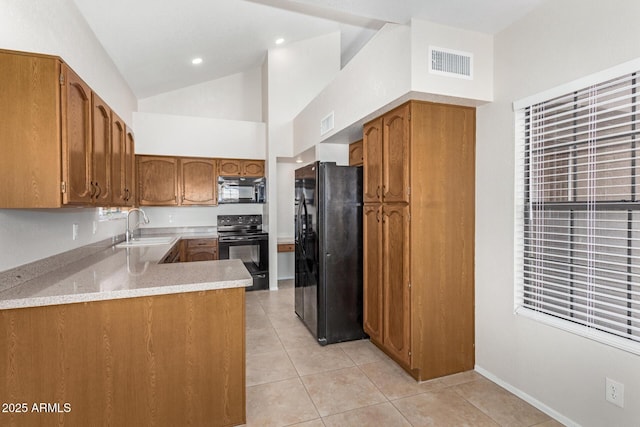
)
(169, 134)
(296, 73)
(195, 216)
(56, 27)
(426, 34)
(557, 42)
(286, 189)
(390, 69)
(234, 97)
(376, 76)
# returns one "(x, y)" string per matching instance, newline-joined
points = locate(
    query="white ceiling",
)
(152, 42)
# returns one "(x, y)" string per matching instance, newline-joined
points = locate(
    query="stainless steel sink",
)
(147, 241)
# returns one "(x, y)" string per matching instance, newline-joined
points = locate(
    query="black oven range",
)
(241, 237)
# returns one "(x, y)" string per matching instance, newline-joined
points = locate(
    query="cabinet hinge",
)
(63, 187)
(61, 79)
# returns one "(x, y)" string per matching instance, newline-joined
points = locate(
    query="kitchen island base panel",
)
(162, 360)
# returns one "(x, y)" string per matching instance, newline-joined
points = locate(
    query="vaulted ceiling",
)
(152, 42)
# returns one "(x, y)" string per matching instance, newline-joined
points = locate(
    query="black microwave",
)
(237, 189)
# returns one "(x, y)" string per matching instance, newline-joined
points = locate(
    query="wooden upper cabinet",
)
(129, 169)
(396, 135)
(356, 154)
(252, 168)
(238, 167)
(101, 152)
(372, 166)
(397, 311)
(198, 181)
(118, 149)
(157, 180)
(230, 167)
(122, 163)
(56, 136)
(372, 278)
(30, 131)
(76, 139)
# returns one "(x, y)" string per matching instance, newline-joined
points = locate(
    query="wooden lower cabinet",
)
(395, 272)
(387, 308)
(372, 275)
(200, 250)
(168, 360)
(419, 246)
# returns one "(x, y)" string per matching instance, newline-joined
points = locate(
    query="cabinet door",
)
(230, 167)
(396, 134)
(253, 168)
(101, 151)
(396, 316)
(157, 180)
(129, 169)
(198, 182)
(76, 139)
(118, 160)
(355, 154)
(372, 161)
(204, 254)
(372, 278)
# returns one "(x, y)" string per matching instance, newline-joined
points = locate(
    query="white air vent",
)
(451, 63)
(326, 124)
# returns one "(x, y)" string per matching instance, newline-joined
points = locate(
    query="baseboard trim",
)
(527, 398)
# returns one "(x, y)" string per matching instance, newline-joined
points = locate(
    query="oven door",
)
(254, 253)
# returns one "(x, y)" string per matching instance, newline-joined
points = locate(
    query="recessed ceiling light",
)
(279, 40)
(196, 61)
(298, 160)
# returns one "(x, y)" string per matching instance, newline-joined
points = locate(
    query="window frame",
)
(520, 188)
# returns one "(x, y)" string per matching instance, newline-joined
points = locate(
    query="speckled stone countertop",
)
(107, 272)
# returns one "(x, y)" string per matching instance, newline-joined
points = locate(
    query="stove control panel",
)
(226, 220)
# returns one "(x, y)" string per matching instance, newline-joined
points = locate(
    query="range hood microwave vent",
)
(451, 63)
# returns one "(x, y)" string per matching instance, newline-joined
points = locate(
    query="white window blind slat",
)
(577, 230)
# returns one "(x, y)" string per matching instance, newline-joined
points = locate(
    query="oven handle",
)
(241, 238)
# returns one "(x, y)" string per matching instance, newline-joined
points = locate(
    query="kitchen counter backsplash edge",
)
(26, 272)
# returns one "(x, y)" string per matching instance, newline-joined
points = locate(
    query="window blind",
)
(578, 210)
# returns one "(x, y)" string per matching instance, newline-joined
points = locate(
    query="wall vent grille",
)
(451, 63)
(326, 124)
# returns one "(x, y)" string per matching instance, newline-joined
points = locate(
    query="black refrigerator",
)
(328, 256)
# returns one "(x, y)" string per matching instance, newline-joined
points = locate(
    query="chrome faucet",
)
(129, 233)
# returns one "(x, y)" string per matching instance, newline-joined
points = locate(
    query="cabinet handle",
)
(378, 192)
(378, 216)
(93, 190)
(99, 190)
(384, 190)
(126, 194)
(182, 198)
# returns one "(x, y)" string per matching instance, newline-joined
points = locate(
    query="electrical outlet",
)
(615, 392)
(74, 232)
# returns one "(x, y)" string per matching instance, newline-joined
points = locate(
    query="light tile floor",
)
(293, 381)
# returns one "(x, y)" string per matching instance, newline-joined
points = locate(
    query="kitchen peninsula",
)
(113, 337)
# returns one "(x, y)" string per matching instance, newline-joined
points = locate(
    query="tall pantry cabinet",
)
(419, 236)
